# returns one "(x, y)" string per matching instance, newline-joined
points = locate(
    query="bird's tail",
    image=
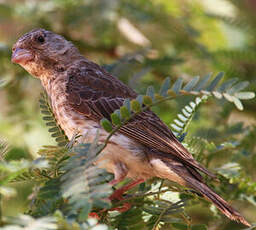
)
(219, 202)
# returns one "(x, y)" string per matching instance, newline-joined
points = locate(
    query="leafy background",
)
(141, 42)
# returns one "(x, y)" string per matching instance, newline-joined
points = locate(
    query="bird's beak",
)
(20, 55)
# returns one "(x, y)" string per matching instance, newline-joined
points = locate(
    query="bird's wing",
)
(94, 93)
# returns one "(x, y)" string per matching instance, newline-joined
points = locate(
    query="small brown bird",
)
(82, 93)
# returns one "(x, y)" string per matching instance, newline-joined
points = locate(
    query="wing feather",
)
(95, 93)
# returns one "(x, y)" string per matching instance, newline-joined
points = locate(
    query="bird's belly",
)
(120, 149)
(70, 121)
(131, 155)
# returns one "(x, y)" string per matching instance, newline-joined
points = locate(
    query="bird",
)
(82, 93)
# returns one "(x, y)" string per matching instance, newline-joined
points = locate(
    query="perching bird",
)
(82, 93)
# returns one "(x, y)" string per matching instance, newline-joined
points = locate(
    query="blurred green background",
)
(141, 42)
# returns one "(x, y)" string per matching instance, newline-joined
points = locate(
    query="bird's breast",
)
(69, 120)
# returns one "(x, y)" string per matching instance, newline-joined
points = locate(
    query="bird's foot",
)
(118, 195)
(94, 215)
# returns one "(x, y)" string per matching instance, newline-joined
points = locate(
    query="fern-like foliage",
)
(69, 224)
(84, 184)
(180, 124)
(47, 198)
(12, 170)
(132, 219)
(162, 212)
(151, 208)
(231, 90)
(49, 117)
(57, 221)
(55, 156)
(29, 223)
(72, 183)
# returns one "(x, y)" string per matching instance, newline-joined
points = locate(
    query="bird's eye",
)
(40, 39)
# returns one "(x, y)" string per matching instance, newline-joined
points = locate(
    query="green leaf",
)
(83, 215)
(136, 106)
(192, 105)
(125, 113)
(151, 92)
(175, 127)
(30, 223)
(185, 113)
(57, 134)
(183, 118)
(117, 111)
(147, 100)
(54, 129)
(191, 84)
(60, 139)
(115, 119)
(245, 95)
(238, 87)
(199, 227)
(228, 97)
(46, 112)
(180, 226)
(177, 85)
(106, 124)
(139, 98)
(84, 185)
(48, 118)
(238, 103)
(165, 86)
(62, 144)
(51, 123)
(217, 94)
(127, 104)
(43, 106)
(189, 109)
(215, 81)
(202, 83)
(227, 84)
(179, 123)
(42, 102)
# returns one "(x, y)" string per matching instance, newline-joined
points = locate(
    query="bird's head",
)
(41, 52)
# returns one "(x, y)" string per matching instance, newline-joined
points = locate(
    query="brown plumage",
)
(82, 93)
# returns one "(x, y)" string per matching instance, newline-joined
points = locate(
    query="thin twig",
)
(132, 116)
(159, 218)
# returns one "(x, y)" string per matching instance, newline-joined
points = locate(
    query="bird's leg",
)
(116, 181)
(120, 172)
(94, 215)
(117, 194)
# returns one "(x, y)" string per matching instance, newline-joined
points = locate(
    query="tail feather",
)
(188, 176)
(219, 202)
